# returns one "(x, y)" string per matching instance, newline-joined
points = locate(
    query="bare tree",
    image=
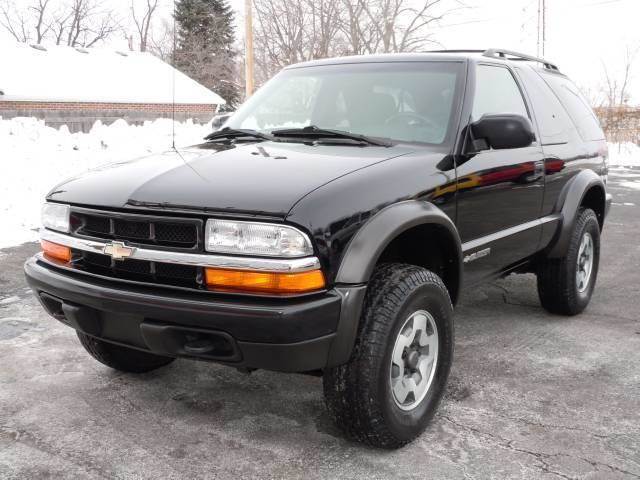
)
(161, 41)
(143, 22)
(289, 31)
(72, 22)
(399, 25)
(620, 122)
(15, 21)
(42, 26)
(89, 24)
(616, 87)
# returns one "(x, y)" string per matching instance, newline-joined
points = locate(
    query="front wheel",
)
(390, 388)
(122, 358)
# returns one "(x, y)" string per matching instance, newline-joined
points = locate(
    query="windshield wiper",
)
(319, 133)
(233, 133)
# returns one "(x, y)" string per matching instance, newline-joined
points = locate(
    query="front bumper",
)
(284, 334)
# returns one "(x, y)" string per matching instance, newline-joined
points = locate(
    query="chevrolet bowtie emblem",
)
(118, 250)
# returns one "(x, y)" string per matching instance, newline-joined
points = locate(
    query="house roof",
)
(67, 74)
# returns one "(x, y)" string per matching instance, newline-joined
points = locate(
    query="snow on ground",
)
(35, 158)
(624, 155)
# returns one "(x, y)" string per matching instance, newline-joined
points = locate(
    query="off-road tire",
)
(358, 394)
(557, 286)
(122, 358)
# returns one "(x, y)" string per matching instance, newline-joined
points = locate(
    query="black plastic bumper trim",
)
(292, 335)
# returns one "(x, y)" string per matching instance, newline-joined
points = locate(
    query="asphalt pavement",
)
(531, 395)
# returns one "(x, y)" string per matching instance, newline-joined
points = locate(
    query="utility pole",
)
(544, 24)
(248, 49)
(538, 30)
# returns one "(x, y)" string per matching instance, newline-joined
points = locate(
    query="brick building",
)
(75, 87)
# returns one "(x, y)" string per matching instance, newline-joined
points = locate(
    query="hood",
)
(260, 178)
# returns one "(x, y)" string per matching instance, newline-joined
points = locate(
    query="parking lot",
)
(531, 395)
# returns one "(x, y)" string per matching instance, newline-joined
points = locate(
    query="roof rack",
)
(502, 53)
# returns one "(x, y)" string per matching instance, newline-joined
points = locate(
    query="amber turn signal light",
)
(55, 251)
(264, 282)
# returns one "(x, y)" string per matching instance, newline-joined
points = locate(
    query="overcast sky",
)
(581, 34)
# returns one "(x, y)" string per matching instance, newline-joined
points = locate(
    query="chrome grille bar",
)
(183, 258)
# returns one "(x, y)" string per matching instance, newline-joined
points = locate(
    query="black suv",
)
(331, 225)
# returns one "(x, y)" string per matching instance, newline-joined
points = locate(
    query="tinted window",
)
(576, 105)
(411, 101)
(497, 92)
(553, 121)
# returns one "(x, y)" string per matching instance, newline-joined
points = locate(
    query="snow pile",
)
(35, 158)
(624, 155)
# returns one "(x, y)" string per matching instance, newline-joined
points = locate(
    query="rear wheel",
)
(565, 285)
(390, 388)
(122, 358)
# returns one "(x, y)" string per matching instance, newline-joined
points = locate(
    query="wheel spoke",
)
(403, 387)
(419, 324)
(424, 367)
(402, 342)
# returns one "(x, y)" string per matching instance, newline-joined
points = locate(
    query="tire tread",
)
(346, 386)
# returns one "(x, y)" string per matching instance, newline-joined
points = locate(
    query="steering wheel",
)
(411, 119)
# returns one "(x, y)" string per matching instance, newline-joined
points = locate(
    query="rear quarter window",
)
(553, 122)
(576, 105)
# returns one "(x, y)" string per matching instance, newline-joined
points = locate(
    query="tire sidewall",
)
(589, 226)
(406, 424)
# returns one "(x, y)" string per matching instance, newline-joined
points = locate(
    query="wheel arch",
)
(586, 189)
(404, 223)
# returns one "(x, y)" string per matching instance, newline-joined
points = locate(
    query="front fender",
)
(363, 253)
(367, 245)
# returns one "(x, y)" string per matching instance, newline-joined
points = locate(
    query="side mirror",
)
(501, 131)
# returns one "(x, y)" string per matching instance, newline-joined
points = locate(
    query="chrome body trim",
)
(292, 265)
(479, 242)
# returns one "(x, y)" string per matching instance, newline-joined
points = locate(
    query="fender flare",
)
(362, 254)
(369, 242)
(567, 205)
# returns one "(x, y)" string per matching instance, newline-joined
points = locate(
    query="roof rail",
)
(456, 51)
(501, 53)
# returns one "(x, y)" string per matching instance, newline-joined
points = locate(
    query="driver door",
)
(499, 192)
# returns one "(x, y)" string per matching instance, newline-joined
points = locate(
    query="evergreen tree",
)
(205, 46)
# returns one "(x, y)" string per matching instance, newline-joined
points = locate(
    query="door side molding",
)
(479, 242)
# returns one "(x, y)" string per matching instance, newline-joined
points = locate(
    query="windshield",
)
(402, 101)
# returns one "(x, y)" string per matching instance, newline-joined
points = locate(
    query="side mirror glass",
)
(501, 131)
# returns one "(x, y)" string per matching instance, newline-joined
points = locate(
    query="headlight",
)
(248, 238)
(55, 216)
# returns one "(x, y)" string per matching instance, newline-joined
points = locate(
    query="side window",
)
(553, 121)
(497, 92)
(576, 105)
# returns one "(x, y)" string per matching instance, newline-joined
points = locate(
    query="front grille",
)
(175, 233)
(139, 270)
